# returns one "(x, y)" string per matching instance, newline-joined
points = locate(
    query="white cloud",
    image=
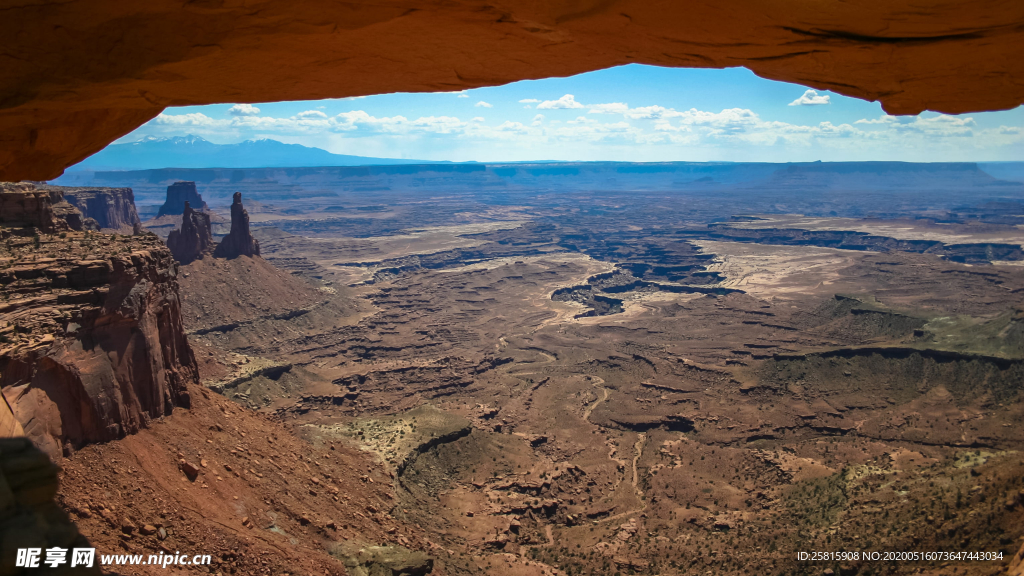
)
(360, 120)
(941, 125)
(529, 101)
(643, 126)
(462, 94)
(811, 98)
(609, 108)
(243, 110)
(482, 104)
(564, 103)
(191, 119)
(651, 112)
(883, 119)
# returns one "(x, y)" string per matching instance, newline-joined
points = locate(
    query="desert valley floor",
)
(587, 383)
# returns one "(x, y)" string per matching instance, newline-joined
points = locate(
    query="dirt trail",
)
(590, 409)
(638, 447)
(527, 368)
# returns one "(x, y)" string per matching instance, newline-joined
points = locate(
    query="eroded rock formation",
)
(111, 208)
(64, 98)
(64, 210)
(238, 242)
(179, 195)
(91, 340)
(194, 239)
(24, 205)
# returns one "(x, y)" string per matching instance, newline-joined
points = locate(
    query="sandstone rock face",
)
(29, 514)
(238, 242)
(111, 208)
(91, 340)
(9, 425)
(178, 195)
(194, 239)
(1016, 567)
(64, 99)
(64, 210)
(24, 205)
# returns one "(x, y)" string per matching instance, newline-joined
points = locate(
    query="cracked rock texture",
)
(113, 209)
(77, 75)
(92, 346)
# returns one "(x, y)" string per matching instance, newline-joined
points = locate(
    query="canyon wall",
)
(111, 208)
(91, 340)
(25, 206)
(77, 76)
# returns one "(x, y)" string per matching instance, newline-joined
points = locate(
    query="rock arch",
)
(76, 75)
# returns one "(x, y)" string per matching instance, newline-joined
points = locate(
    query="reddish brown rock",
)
(194, 239)
(189, 469)
(64, 210)
(115, 65)
(238, 242)
(93, 344)
(24, 205)
(179, 195)
(1016, 567)
(111, 208)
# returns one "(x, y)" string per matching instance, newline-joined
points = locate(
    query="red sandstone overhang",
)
(76, 75)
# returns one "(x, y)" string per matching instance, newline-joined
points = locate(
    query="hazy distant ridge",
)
(197, 152)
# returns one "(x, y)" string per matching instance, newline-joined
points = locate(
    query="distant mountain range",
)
(197, 152)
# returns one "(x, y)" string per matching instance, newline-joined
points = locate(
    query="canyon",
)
(418, 372)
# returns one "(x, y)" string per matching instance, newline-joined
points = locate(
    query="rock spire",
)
(194, 239)
(239, 242)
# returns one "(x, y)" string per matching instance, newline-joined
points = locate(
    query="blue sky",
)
(630, 113)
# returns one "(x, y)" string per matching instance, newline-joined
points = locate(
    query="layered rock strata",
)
(194, 239)
(63, 210)
(91, 340)
(111, 208)
(238, 242)
(22, 205)
(178, 194)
